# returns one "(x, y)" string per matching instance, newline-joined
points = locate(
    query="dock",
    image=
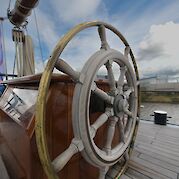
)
(156, 153)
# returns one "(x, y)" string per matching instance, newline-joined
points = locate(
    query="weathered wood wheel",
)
(121, 106)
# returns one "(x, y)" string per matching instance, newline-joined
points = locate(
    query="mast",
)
(24, 58)
(21, 11)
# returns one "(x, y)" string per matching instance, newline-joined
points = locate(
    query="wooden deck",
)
(156, 153)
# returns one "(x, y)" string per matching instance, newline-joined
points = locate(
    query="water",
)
(171, 109)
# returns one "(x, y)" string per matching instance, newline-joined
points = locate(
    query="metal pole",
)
(3, 46)
(22, 9)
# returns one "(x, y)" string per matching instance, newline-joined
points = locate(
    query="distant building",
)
(160, 83)
(146, 81)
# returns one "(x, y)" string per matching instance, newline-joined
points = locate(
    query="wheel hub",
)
(120, 102)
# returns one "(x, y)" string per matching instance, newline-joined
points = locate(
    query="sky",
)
(150, 26)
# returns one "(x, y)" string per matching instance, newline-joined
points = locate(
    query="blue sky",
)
(150, 26)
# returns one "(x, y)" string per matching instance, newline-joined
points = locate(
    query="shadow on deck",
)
(156, 153)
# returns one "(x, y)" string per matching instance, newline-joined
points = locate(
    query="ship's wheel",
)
(121, 107)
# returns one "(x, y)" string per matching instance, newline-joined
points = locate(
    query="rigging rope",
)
(9, 6)
(26, 30)
(29, 65)
(38, 35)
(14, 66)
(24, 57)
(28, 47)
(18, 38)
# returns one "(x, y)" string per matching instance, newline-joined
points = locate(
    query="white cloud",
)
(71, 11)
(85, 44)
(158, 52)
(81, 47)
(46, 28)
(39, 66)
(9, 54)
(167, 35)
(134, 25)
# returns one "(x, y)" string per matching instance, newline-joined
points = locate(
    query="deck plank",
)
(135, 174)
(166, 146)
(125, 177)
(155, 153)
(156, 168)
(159, 149)
(158, 162)
(146, 171)
(167, 155)
(158, 156)
(160, 140)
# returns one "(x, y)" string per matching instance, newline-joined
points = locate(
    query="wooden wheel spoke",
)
(128, 127)
(127, 51)
(128, 92)
(138, 83)
(120, 82)
(60, 161)
(126, 156)
(126, 111)
(99, 122)
(102, 172)
(102, 35)
(64, 67)
(103, 95)
(111, 78)
(110, 134)
(121, 130)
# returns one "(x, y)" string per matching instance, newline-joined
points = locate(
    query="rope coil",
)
(24, 57)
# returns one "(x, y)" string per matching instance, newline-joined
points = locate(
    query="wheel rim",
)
(44, 86)
(82, 93)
